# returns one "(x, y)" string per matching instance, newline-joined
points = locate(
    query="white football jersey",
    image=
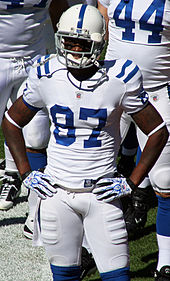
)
(85, 116)
(140, 31)
(22, 27)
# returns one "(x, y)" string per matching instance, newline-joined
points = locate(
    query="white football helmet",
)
(83, 22)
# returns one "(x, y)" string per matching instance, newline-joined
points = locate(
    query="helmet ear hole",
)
(82, 25)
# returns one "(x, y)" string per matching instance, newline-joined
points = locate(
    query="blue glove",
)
(109, 189)
(41, 183)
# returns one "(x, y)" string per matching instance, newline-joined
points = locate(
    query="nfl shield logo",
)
(78, 95)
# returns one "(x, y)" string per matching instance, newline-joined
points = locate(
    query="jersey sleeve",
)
(31, 95)
(134, 98)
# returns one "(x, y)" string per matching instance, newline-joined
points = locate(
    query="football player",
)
(23, 37)
(140, 31)
(36, 133)
(80, 189)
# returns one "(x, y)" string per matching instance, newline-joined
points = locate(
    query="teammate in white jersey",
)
(140, 30)
(79, 190)
(24, 26)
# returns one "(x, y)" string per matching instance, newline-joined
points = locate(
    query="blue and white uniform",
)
(140, 31)
(23, 36)
(82, 116)
(21, 28)
(141, 26)
(85, 139)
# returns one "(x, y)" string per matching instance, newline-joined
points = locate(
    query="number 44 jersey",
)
(85, 116)
(140, 31)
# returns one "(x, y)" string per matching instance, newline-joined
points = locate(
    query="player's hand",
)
(109, 189)
(41, 183)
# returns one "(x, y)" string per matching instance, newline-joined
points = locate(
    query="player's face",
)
(77, 45)
(78, 48)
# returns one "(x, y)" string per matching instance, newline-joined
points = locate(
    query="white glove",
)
(109, 189)
(41, 183)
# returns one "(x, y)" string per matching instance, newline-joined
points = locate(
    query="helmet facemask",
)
(78, 59)
(84, 26)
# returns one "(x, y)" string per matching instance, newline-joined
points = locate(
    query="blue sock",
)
(163, 216)
(37, 160)
(121, 274)
(64, 273)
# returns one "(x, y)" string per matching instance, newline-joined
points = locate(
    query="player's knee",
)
(37, 136)
(121, 274)
(160, 179)
(37, 141)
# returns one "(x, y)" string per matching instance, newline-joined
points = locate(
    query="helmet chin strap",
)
(81, 62)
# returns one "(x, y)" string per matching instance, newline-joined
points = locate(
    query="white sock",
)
(32, 203)
(164, 251)
(9, 161)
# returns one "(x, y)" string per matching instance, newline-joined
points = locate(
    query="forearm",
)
(150, 154)
(103, 11)
(15, 141)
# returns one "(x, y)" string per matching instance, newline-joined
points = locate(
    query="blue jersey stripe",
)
(47, 70)
(39, 68)
(33, 108)
(126, 64)
(81, 16)
(131, 74)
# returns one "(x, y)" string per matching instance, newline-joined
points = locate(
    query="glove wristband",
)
(25, 175)
(131, 184)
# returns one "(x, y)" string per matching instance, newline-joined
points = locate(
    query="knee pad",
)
(160, 178)
(163, 216)
(121, 274)
(37, 132)
(63, 273)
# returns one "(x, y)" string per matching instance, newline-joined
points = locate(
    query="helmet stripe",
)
(81, 16)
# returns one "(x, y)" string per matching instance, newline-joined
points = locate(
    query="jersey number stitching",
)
(156, 8)
(65, 134)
